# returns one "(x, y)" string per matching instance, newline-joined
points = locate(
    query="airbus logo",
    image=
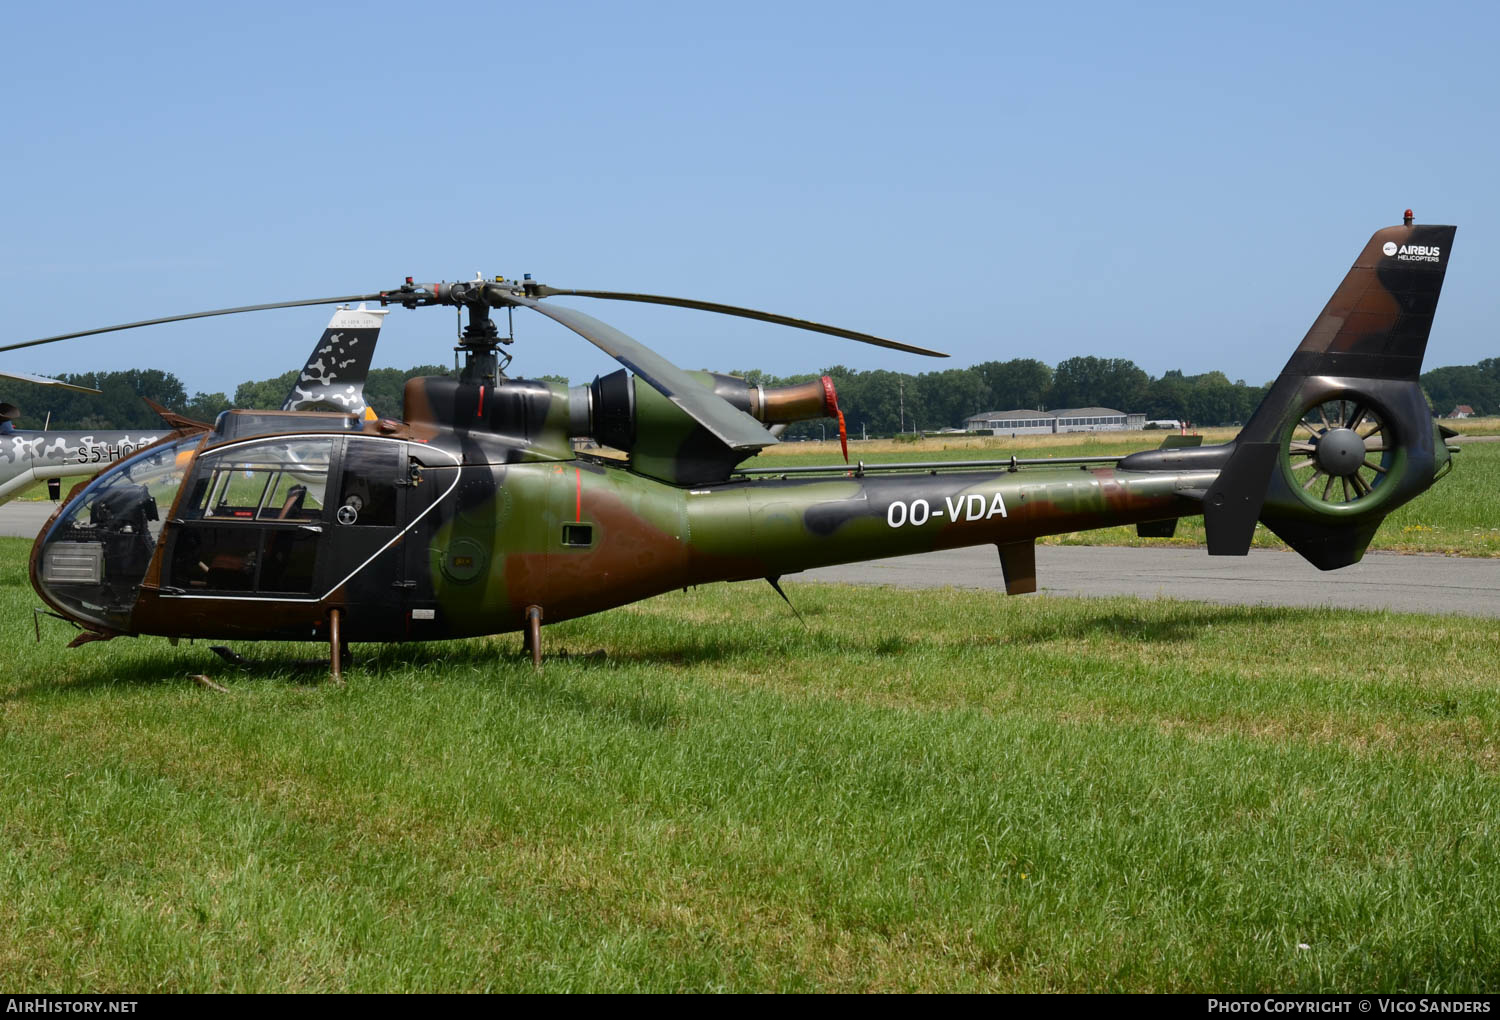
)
(1413, 252)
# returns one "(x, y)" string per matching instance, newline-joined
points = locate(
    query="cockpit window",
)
(372, 471)
(97, 553)
(281, 481)
(132, 497)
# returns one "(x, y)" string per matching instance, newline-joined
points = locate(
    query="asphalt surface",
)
(23, 519)
(1404, 584)
(1399, 583)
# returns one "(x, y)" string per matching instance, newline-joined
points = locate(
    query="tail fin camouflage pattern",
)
(334, 377)
(1345, 435)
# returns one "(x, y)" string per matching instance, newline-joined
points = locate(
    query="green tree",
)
(1020, 383)
(1099, 382)
(1475, 385)
(266, 394)
(1168, 396)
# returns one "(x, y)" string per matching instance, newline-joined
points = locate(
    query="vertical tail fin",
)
(1344, 436)
(334, 377)
(1376, 325)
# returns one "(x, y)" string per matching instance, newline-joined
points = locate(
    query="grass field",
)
(934, 791)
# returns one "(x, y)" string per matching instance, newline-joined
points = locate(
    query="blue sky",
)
(1181, 185)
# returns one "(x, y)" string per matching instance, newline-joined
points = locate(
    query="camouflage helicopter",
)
(474, 514)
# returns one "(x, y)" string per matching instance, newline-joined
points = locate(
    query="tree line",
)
(119, 405)
(1475, 385)
(875, 402)
(882, 402)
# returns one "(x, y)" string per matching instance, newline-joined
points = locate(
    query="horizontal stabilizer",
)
(1156, 529)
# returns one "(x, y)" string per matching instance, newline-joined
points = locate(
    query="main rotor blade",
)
(744, 313)
(42, 380)
(194, 315)
(733, 427)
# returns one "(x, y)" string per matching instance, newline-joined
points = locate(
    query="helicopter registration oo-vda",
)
(474, 514)
(333, 378)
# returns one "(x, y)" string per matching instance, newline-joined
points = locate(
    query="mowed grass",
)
(913, 791)
(1458, 516)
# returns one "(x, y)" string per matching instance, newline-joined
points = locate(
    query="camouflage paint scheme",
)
(498, 515)
(334, 376)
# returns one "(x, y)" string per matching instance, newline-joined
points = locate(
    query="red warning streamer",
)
(831, 406)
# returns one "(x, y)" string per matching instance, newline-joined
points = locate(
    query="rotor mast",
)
(480, 343)
(481, 339)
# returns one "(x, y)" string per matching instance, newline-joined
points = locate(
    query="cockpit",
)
(251, 519)
(96, 554)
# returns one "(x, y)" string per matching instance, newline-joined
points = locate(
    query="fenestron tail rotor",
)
(1339, 453)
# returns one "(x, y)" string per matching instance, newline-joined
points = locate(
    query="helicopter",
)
(28, 456)
(477, 513)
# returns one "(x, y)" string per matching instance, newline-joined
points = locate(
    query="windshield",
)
(96, 554)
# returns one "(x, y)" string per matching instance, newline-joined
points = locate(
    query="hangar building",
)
(1064, 419)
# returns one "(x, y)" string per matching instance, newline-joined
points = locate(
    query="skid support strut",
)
(532, 642)
(335, 646)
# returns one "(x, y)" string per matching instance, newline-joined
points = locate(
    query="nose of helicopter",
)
(89, 564)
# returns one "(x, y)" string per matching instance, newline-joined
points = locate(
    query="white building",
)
(1064, 419)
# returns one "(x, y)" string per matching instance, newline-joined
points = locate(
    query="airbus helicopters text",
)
(473, 513)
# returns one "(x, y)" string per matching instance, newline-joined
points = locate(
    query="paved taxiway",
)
(1403, 584)
(1406, 584)
(23, 519)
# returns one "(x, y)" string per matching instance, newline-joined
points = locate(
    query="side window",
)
(367, 488)
(277, 481)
